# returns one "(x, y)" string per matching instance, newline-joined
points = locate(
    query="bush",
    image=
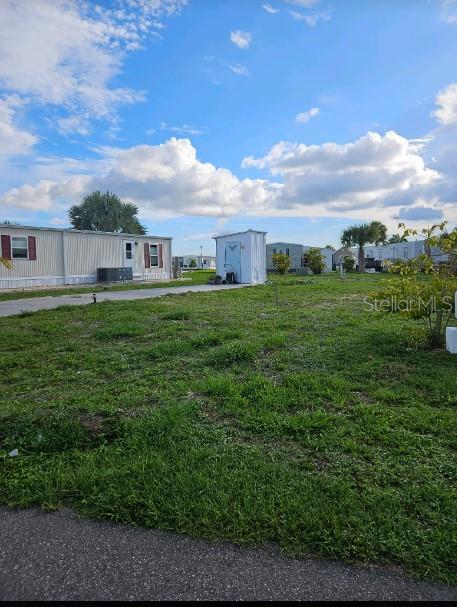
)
(316, 261)
(348, 263)
(281, 262)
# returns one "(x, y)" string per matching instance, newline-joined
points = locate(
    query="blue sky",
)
(297, 117)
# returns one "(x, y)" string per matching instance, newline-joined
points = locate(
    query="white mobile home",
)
(53, 256)
(244, 254)
(297, 254)
(196, 262)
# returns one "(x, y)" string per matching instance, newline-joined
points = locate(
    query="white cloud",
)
(304, 117)
(446, 100)
(163, 180)
(449, 11)
(348, 176)
(241, 39)
(13, 140)
(238, 69)
(185, 129)
(66, 52)
(312, 19)
(302, 3)
(270, 9)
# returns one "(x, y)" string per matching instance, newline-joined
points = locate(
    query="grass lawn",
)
(195, 277)
(314, 424)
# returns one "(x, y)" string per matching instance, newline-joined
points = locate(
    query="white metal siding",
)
(48, 263)
(66, 257)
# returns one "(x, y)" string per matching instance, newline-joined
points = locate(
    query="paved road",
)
(33, 304)
(58, 556)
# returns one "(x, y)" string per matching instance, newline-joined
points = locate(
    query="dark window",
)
(154, 255)
(20, 248)
(287, 252)
(128, 250)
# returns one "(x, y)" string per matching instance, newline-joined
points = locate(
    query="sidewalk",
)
(34, 304)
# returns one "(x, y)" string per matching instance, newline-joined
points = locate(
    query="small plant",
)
(348, 263)
(281, 262)
(316, 261)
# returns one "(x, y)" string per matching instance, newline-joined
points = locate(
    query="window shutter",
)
(160, 255)
(6, 246)
(32, 248)
(147, 258)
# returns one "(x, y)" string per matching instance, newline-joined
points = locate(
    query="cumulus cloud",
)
(163, 180)
(67, 52)
(241, 39)
(13, 140)
(346, 176)
(446, 100)
(304, 117)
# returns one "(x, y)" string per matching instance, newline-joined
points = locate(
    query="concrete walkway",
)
(58, 556)
(33, 304)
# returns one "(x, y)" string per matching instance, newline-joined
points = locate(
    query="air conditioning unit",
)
(114, 274)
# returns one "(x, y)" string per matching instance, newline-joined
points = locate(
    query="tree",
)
(396, 238)
(431, 298)
(361, 235)
(105, 212)
(316, 261)
(281, 262)
(193, 263)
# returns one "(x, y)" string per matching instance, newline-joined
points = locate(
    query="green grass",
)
(195, 277)
(314, 423)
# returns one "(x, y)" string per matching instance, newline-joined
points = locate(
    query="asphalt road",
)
(14, 307)
(58, 556)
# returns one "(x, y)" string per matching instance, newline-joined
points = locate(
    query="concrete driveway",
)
(58, 556)
(34, 304)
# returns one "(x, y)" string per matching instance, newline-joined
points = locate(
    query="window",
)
(154, 255)
(128, 250)
(287, 252)
(20, 248)
(274, 251)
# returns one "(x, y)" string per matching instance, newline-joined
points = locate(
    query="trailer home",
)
(53, 256)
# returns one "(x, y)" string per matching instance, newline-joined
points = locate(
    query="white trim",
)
(26, 246)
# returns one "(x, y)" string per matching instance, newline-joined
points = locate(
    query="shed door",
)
(233, 258)
(129, 253)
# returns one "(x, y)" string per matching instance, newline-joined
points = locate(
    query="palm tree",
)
(6, 262)
(361, 235)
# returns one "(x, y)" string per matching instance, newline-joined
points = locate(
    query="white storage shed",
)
(243, 253)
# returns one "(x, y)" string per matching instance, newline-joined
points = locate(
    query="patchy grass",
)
(195, 277)
(313, 423)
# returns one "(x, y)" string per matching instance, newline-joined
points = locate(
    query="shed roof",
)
(238, 233)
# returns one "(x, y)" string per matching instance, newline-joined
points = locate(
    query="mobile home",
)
(54, 256)
(297, 255)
